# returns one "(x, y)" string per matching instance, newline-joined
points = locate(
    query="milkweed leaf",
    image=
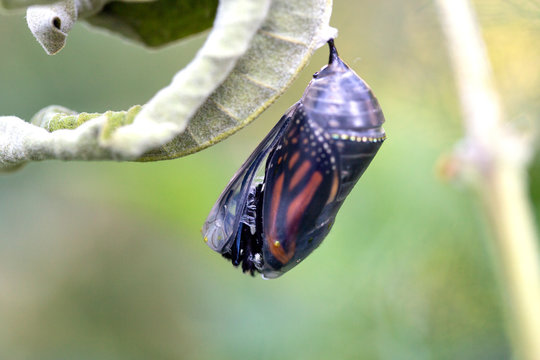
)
(253, 53)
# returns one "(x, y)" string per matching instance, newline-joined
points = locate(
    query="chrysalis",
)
(283, 201)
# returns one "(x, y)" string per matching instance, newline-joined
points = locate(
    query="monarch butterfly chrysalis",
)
(269, 218)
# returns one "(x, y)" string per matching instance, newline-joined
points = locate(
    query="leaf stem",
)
(495, 160)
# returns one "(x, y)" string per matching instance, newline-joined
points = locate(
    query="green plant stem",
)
(505, 200)
(494, 160)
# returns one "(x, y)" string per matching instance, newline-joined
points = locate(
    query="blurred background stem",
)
(494, 158)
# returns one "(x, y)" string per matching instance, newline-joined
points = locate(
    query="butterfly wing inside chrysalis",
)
(301, 178)
(222, 224)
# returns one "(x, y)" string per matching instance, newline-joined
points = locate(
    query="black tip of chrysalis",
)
(335, 64)
(333, 52)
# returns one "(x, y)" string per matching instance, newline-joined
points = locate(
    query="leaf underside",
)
(278, 52)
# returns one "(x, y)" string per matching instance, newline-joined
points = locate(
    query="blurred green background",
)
(106, 261)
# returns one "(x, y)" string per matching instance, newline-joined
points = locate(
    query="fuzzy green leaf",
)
(254, 52)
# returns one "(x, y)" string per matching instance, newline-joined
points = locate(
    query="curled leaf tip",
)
(50, 24)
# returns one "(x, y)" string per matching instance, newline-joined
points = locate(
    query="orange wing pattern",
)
(301, 178)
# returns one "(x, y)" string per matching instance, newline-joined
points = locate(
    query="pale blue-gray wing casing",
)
(221, 225)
